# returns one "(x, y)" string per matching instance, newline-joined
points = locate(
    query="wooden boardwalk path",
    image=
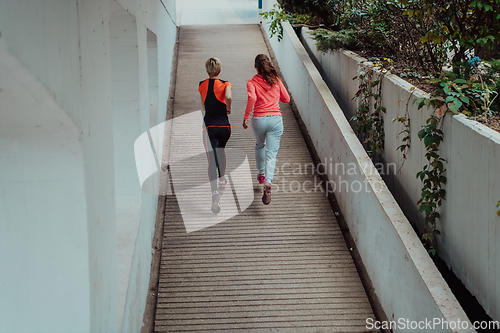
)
(278, 268)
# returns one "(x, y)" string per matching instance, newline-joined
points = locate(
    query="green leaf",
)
(459, 81)
(433, 252)
(426, 236)
(419, 100)
(439, 165)
(431, 154)
(421, 134)
(428, 140)
(465, 99)
(453, 107)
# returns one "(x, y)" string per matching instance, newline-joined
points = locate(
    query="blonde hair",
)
(213, 66)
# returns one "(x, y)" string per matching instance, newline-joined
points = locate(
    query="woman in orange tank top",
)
(216, 102)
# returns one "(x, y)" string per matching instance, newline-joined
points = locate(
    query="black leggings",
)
(215, 139)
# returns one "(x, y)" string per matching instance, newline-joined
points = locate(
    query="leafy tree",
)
(327, 11)
(464, 24)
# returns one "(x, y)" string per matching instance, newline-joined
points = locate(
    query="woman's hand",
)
(245, 123)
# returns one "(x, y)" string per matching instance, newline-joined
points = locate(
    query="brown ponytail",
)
(266, 69)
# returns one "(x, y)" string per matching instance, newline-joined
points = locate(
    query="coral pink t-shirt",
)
(264, 98)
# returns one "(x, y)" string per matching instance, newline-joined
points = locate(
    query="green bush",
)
(333, 40)
(326, 11)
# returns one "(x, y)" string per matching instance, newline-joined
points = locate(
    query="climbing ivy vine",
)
(433, 180)
(451, 96)
(369, 121)
(404, 147)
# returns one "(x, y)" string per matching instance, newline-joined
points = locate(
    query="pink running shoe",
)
(266, 197)
(261, 179)
(222, 184)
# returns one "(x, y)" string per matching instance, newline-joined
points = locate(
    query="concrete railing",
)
(407, 283)
(470, 237)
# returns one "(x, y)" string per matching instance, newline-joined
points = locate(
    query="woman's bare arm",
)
(229, 98)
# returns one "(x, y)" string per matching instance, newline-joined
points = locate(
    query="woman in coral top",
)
(265, 91)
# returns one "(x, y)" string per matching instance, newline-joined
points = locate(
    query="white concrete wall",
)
(469, 225)
(404, 277)
(76, 228)
(43, 239)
